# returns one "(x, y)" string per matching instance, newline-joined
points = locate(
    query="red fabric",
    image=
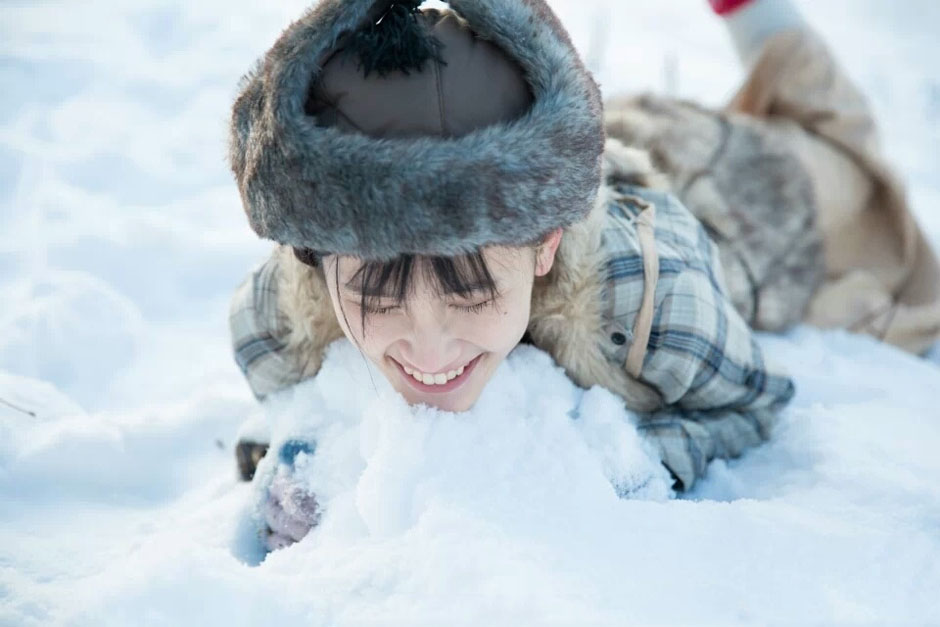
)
(724, 7)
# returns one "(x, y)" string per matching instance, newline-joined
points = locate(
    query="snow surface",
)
(123, 238)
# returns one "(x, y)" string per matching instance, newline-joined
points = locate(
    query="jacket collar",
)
(569, 317)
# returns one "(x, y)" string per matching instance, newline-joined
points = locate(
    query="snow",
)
(391, 465)
(123, 238)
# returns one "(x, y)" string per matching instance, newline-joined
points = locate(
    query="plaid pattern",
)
(257, 329)
(701, 355)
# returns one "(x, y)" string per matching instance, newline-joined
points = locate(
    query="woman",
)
(441, 189)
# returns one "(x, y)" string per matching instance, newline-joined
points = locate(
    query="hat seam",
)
(438, 79)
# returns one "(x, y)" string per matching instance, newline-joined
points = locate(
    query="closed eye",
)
(378, 311)
(477, 308)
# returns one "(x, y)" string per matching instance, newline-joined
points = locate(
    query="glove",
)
(289, 510)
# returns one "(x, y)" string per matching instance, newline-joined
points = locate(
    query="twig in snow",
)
(17, 408)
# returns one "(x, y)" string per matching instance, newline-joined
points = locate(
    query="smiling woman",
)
(438, 327)
(442, 187)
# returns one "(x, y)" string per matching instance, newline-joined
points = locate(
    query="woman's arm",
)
(721, 396)
(688, 441)
(259, 332)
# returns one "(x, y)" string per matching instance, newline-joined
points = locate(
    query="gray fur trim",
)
(749, 191)
(322, 188)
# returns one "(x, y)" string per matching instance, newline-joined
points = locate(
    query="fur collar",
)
(568, 311)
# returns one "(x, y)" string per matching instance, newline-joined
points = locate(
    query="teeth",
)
(439, 378)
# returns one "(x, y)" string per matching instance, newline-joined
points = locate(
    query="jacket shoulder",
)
(258, 331)
(281, 320)
(699, 353)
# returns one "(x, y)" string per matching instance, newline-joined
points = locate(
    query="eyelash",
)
(477, 308)
(380, 310)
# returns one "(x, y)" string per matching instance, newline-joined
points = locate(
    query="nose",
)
(430, 346)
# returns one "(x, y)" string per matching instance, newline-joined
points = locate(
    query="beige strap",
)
(644, 318)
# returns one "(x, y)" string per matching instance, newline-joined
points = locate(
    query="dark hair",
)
(463, 275)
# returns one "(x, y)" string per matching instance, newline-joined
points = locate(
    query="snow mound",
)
(533, 452)
(505, 515)
(70, 328)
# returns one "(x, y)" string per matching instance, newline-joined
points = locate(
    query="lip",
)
(451, 385)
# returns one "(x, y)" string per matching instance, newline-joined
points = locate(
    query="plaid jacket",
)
(719, 395)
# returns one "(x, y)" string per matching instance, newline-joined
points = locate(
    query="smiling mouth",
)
(435, 388)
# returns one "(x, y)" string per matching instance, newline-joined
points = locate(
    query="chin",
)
(444, 404)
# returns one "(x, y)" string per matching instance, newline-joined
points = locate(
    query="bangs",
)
(463, 275)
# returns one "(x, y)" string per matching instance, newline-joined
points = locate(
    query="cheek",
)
(500, 328)
(379, 332)
(350, 321)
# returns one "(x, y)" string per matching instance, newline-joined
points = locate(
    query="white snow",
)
(123, 238)
(391, 465)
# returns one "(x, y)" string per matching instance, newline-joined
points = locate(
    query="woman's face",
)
(442, 349)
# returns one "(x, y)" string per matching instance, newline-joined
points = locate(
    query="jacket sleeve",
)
(688, 441)
(259, 332)
(721, 396)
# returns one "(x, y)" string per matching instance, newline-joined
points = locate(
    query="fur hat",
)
(313, 183)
